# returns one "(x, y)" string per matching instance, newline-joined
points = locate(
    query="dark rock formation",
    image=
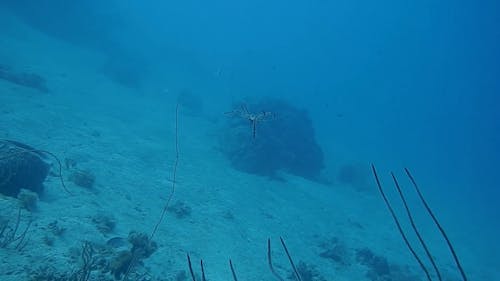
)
(21, 166)
(284, 143)
(26, 79)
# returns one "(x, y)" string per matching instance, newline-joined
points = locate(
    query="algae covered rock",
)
(269, 146)
(21, 167)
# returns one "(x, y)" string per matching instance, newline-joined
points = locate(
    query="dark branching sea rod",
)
(233, 271)
(414, 227)
(136, 255)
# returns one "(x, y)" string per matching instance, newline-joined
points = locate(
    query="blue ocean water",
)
(397, 84)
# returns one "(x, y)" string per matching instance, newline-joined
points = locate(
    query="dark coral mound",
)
(354, 175)
(21, 167)
(127, 69)
(284, 143)
(26, 79)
